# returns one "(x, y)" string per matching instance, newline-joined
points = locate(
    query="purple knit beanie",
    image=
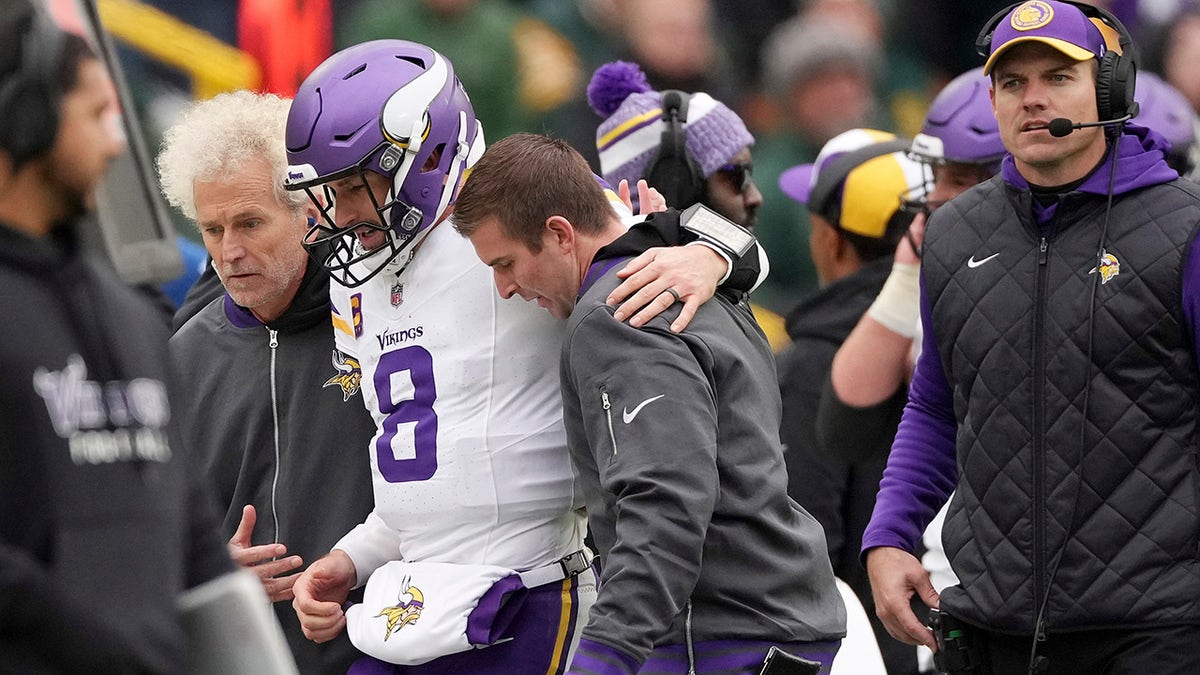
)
(629, 136)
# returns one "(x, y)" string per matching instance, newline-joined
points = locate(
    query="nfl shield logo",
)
(397, 294)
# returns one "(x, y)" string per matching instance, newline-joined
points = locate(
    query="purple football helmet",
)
(960, 126)
(1165, 110)
(392, 107)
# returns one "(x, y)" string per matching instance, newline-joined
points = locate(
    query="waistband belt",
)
(566, 567)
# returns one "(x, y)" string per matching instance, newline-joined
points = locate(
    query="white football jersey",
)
(469, 458)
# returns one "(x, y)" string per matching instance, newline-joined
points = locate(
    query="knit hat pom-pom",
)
(612, 83)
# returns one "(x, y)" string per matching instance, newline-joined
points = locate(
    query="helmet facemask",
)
(341, 249)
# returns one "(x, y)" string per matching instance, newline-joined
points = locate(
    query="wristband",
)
(898, 305)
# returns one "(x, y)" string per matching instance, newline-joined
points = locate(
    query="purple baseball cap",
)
(1060, 25)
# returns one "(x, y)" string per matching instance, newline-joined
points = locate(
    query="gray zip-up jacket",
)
(675, 439)
(270, 424)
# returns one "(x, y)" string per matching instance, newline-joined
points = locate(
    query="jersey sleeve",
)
(369, 545)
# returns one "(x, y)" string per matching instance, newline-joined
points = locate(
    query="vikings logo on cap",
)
(1031, 15)
(1110, 267)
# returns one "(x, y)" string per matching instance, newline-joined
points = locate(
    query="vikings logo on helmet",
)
(349, 375)
(1109, 267)
(407, 609)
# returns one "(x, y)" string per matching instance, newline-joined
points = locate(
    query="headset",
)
(673, 172)
(29, 94)
(1115, 77)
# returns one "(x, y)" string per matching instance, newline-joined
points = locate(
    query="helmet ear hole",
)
(434, 158)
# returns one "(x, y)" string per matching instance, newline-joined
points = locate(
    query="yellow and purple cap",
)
(857, 181)
(1060, 25)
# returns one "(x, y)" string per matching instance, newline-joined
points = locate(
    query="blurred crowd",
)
(798, 72)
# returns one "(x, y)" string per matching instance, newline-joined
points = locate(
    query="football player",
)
(469, 456)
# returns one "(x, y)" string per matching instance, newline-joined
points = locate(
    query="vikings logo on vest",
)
(406, 610)
(1109, 267)
(1032, 15)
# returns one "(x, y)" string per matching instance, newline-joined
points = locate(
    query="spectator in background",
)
(272, 412)
(677, 45)
(1171, 46)
(101, 525)
(693, 59)
(516, 67)
(820, 75)
(853, 193)
(1165, 110)
(713, 166)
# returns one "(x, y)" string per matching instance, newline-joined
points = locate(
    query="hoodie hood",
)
(1141, 162)
(310, 306)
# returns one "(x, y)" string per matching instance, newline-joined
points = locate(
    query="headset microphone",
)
(1061, 126)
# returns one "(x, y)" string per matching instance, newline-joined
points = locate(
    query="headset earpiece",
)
(1115, 82)
(672, 171)
(29, 95)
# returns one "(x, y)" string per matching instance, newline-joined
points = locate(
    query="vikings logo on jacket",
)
(349, 375)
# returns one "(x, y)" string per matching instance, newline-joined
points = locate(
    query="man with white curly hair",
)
(265, 403)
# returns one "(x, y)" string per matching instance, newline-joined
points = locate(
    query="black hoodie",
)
(100, 528)
(271, 425)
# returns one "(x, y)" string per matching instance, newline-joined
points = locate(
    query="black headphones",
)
(673, 172)
(1117, 72)
(29, 94)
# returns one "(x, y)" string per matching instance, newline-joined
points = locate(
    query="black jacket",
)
(818, 479)
(100, 527)
(272, 426)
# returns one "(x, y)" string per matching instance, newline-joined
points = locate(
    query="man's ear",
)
(560, 233)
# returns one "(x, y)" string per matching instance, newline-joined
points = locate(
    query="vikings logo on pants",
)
(404, 612)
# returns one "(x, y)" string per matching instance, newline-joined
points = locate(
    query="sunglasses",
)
(738, 174)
